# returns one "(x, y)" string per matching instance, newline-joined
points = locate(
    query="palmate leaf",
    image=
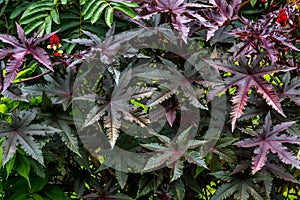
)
(19, 50)
(115, 106)
(267, 140)
(172, 81)
(62, 121)
(109, 192)
(171, 153)
(148, 184)
(245, 77)
(111, 47)
(241, 188)
(21, 132)
(264, 35)
(58, 88)
(223, 13)
(180, 13)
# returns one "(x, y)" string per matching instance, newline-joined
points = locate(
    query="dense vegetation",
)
(149, 99)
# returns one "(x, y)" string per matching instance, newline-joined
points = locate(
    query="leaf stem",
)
(34, 77)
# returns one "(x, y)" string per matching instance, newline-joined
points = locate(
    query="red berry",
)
(55, 54)
(282, 17)
(54, 40)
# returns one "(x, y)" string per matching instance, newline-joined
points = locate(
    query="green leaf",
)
(130, 4)
(109, 16)
(3, 108)
(32, 26)
(54, 192)
(128, 11)
(19, 195)
(82, 2)
(1, 151)
(26, 72)
(22, 165)
(253, 2)
(148, 184)
(37, 197)
(64, 2)
(37, 184)
(9, 165)
(98, 13)
(33, 17)
(93, 9)
(19, 9)
(36, 7)
(48, 24)
(3, 8)
(46, 101)
(177, 190)
(87, 7)
(55, 16)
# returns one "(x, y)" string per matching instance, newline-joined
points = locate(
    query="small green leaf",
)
(37, 184)
(130, 4)
(32, 26)
(82, 2)
(22, 165)
(19, 196)
(3, 8)
(33, 17)
(19, 9)
(54, 192)
(93, 10)
(26, 72)
(128, 11)
(55, 16)
(253, 2)
(36, 7)
(46, 101)
(37, 197)
(10, 165)
(98, 13)
(3, 108)
(126, 4)
(48, 24)
(1, 152)
(64, 2)
(87, 6)
(109, 16)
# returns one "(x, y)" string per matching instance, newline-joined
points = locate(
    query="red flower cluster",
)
(54, 40)
(55, 44)
(282, 17)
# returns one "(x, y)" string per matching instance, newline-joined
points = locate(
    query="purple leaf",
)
(19, 51)
(21, 132)
(41, 55)
(171, 116)
(179, 13)
(264, 35)
(245, 77)
(269, 140)
(12, 68)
